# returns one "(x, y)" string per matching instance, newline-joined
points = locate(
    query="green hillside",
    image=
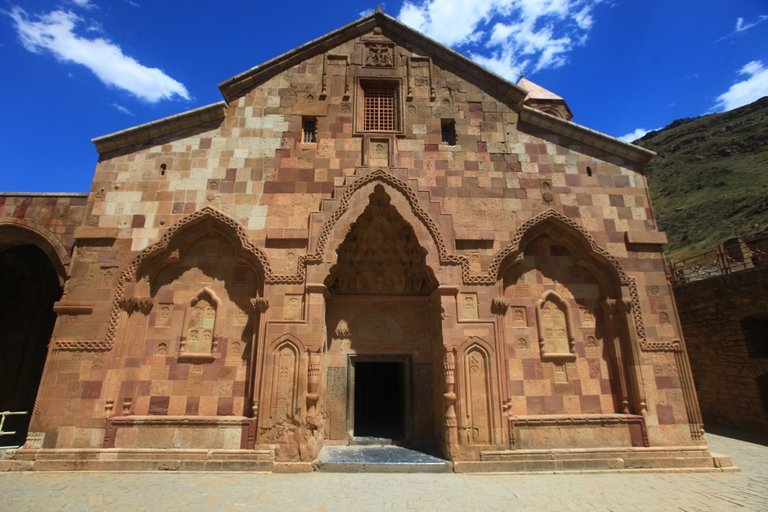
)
(709, 181)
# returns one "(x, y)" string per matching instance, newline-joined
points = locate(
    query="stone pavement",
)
(746, 490)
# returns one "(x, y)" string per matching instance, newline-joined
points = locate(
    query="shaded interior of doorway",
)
(380, 399)
(28, 289)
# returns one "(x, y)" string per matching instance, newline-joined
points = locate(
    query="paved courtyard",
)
(744, 490)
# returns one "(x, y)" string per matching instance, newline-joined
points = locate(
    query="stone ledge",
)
(658, 459)
(92, 233)
(137, 459)
(645, 237)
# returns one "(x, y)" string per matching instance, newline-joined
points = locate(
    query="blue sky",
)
(78, 69)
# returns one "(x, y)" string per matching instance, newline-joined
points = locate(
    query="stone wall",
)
(728, 371)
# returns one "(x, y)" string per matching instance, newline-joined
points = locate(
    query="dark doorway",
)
(380, 399)
(28, 288)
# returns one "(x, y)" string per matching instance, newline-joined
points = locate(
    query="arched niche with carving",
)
(555, 328)
(199, 341)
(239, 269)
(478, 400)
(283, 381)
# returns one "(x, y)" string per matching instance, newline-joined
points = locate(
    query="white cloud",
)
(746, 91)
(122, 109)
(741, 26)
(54, 32)
(509, 37)
(83, 4)
(637, 134)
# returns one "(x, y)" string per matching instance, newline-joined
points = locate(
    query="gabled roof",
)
(136, 135)
(239, 84)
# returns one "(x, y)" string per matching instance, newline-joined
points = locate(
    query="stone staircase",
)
(378, 455)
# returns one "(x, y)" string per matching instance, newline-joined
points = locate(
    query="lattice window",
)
(308, 129)
(380, 108)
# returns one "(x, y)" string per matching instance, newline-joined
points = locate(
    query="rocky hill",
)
(709, 181)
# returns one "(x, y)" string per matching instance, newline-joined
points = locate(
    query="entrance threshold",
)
(378, 459)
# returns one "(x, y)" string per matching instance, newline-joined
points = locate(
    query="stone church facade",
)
(369, 236)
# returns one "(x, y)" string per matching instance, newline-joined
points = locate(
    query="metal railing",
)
(733, 255)
(3, 415)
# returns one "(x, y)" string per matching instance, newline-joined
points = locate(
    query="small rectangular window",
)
(380, 108)
(308, 129)
(448, 129)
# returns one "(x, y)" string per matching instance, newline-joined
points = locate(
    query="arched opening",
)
(382, 330)
(29, 286)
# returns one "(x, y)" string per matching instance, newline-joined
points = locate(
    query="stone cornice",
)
(143, 133)
(585, 135)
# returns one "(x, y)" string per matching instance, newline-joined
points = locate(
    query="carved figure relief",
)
(546, 192)
(379, 55)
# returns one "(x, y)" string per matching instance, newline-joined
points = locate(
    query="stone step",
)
(370, 441)
(378, 459)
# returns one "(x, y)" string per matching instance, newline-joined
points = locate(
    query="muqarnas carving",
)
(200, 329)
(381, 254)
(555, 330)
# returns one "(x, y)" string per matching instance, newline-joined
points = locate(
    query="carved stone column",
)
(613, 337)
(449, 367)
(256, 356)
(695, 421)
(313, 383)
(499, 308)
(623, 325)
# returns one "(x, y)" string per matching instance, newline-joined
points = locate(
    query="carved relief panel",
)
(285, 383)
(555, 338)
(379, 55)
(199, 335)
(477, 426)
